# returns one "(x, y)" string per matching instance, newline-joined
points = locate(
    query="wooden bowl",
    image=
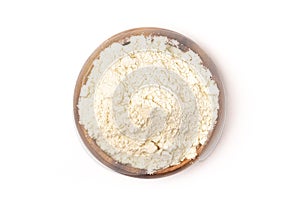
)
(185, 44)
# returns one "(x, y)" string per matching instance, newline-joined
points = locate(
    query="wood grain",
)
(185, 44)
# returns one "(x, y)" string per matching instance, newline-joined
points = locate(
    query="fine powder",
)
(148, 104)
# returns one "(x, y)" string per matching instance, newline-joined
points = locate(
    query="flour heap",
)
(148, 104)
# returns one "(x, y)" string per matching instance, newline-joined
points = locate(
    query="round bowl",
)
(184, 44)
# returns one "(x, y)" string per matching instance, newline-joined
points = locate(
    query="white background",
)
(255, 44)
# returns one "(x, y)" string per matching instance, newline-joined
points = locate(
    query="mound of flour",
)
(148, 104)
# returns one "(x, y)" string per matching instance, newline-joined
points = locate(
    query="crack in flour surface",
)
(148, 104)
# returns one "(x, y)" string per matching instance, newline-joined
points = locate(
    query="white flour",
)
(149, 104)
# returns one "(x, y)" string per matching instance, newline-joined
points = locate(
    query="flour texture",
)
(148, 104)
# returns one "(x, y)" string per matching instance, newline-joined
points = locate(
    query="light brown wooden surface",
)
(185, 44)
